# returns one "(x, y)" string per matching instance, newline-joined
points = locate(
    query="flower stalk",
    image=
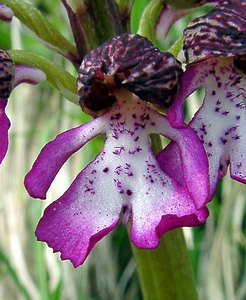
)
(165, 273)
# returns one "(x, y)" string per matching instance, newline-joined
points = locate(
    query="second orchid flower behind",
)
(116, 83)
(12, 75)
(214, 46)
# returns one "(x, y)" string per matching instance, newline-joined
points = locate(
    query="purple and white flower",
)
(115, 83)
(10, 77)
(215, 48)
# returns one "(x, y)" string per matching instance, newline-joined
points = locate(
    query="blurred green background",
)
(28, 269)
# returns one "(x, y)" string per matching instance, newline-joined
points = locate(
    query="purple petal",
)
(6, 14)
(55, 154)
(191, 156)
(191, 79)
(4, 127)
(170, 162)
(27, 74)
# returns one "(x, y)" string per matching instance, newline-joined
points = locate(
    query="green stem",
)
(92, 23)
(165, 273)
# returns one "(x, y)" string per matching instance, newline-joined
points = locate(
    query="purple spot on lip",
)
(116, 116)
(224, 141)
(213, 93)
(203, 128)
(105, 170)
(240, 105)
(118, 150)
(225, 113)
(129, 192)
(139, 125)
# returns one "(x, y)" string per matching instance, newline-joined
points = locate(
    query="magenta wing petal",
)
(190, 154)
(4, 127)
(170, 162)
(55, 154)
(192, 78)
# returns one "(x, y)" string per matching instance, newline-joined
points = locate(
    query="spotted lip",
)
(125, 180)
(132, 62)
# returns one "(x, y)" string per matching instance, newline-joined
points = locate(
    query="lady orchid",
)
(10, 77)
(117, 82)
(215, 48)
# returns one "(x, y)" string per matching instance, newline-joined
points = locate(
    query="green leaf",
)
(56, 75)
(56, 294)
(149, 19)
(176, 47)
(38, 23)
(4, 262)
(136, 13)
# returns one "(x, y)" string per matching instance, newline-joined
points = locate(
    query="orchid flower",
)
(215, 48)
(10, 77)
(115, 82)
